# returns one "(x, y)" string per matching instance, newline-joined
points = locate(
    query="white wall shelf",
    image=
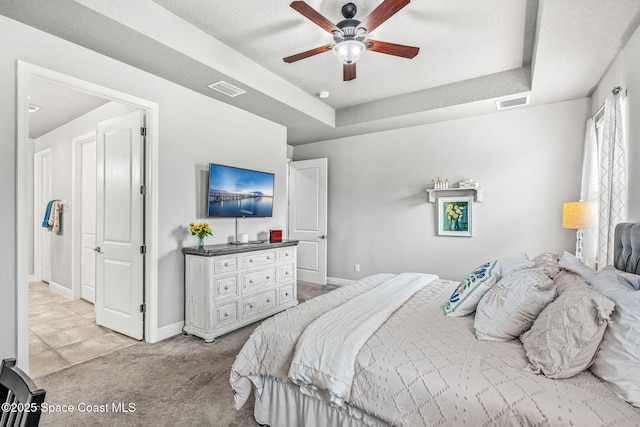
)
(478, 192)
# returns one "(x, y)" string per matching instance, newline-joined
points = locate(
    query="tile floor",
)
(63, 332)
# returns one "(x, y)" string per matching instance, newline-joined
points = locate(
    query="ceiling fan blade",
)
(349, 72)
(311, 14)
(392, 48)
(384, 11)
(308, 53)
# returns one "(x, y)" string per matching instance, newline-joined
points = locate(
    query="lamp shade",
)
(349, 51)
(579, 215)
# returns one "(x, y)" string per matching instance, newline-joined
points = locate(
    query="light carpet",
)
(176, 382)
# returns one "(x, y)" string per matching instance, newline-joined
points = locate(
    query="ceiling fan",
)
(349, 34)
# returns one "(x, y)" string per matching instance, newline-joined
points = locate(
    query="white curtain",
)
(589, 190)
(612, 177)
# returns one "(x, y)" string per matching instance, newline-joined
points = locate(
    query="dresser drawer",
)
(286, 273)
(227, 313)
(259, 303)
(258, 279)
(287, 254)
(226, 264)
(258, 259)
(226, 286)
(286, 293)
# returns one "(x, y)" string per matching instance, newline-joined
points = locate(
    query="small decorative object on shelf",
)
(468, 183)
(440, 184)
(200, 230)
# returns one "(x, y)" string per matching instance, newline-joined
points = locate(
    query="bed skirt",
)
(281, 404)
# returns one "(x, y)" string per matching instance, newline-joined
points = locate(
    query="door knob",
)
(97, 249)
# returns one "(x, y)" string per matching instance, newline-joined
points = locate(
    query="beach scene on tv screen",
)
(240, 192)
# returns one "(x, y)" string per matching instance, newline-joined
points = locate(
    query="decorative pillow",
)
(509, 308)
(618, 360)
(514, 263)
(468, 293)
(549, 262)
(564, 338)
(571, 263)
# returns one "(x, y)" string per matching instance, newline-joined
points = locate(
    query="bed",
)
(416, 365)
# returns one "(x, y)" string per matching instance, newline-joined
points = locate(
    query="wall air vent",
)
(227, 88)
(513, 102)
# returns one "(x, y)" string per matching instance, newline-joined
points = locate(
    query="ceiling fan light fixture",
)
(349, 51)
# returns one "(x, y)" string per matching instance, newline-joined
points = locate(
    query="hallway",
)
(63, 332)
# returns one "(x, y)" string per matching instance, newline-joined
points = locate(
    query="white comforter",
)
(324, 359)
(423, 368)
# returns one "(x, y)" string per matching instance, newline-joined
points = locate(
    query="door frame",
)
(76, 211)
(24, 71)
(37, 219)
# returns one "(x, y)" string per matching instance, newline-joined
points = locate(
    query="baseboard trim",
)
(60, 290)
(168, 331)
(339, 282)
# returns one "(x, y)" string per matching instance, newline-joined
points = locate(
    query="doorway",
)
(148, 283)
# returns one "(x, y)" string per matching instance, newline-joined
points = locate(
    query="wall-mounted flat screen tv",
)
(236, 192)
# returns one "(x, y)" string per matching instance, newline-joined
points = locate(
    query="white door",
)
(308, 217)
(120, 225)
(88, 219)
(42, 195)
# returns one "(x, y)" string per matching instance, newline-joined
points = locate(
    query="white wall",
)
(528, 161)
(625, 72)
(193, 131)
(60, 142)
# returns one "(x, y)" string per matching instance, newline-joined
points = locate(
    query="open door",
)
(120, 225)
(308, 217)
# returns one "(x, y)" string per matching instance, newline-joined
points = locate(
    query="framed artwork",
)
(455, 216)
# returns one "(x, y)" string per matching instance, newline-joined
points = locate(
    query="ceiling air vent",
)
(227, 88)
(513, 102)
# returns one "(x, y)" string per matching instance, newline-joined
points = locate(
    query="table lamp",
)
(579, 216)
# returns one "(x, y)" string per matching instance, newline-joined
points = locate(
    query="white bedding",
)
(423, 368)
(325, 354)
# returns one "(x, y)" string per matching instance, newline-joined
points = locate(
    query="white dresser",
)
(230, 286)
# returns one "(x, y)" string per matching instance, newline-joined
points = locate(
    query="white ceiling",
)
(58, 105)
(471, 54)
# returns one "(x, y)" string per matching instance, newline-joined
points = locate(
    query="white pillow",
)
(549, 262)
(468, 293)
(509, 308)
(618, 359)
(515, 263)
(565, 337)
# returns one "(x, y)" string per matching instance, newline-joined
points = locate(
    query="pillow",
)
(548, 262)
(468, 293)
(618, 360)
(571, 263)
(509, 308)
(514, 263)
(564, 338)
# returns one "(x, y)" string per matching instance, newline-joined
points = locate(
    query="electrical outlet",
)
(356, 268)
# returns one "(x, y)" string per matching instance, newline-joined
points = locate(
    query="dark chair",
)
(21, 400)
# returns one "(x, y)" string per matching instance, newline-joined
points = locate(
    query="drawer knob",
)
(226, 264)
(226, 315)
(250, 305)
(268, 300)
(226, 288)
(267, 277)
(268, 257)
(250, 281)
(286, 294)
(251, 260)
(286, 273)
